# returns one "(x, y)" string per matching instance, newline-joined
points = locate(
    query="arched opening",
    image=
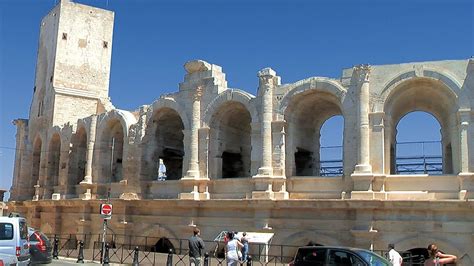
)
(164, 245)
(36, 160)
(307, 114)
(164, 139)
(230, 147)
(415, 256)
(54, 153)
(418, 145)
(429, 108)
(331, 161)
(78, 157)
(111, 151)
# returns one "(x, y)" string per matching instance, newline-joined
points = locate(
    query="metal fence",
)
(156, 251)
(143, 250)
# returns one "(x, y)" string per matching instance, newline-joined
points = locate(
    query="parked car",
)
(7, 259)
(40, 247)
(337, 256)
(14, 239)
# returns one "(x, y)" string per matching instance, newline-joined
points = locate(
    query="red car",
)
(40, 248)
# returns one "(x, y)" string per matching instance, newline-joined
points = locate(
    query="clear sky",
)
(299, 39)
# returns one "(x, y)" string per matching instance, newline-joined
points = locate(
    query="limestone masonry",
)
(240, 161)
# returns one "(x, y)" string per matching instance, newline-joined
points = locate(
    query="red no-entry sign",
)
(106, 210)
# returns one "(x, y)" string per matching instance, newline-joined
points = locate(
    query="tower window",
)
(105, 44)
(64, 36)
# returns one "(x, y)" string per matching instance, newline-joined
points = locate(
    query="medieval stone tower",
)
(72, 81)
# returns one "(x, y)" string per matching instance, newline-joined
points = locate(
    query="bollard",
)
(55, 247)
(80, 256)
(206, 259)
(106, 256)
(135, 257)
(249, 260)
(169, 261)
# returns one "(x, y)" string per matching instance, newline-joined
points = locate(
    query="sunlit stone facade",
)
(236, 160)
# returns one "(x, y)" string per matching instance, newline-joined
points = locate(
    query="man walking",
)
(394, 256)
(196, 248)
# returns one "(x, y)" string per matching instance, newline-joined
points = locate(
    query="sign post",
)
(106, 214)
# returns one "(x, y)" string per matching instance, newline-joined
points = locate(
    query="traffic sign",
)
(106, 210)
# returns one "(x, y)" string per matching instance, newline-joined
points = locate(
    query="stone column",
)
(464, 118)
(267, 82)
(362, 176)
(466, 178)
(90, 151)
(363, 166)
(193, 169)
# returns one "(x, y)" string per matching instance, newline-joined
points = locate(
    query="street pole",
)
(104, 232)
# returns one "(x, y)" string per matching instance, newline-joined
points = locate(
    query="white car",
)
(14, 240)
(7, 259)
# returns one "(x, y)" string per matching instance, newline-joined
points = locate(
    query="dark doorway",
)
(164, 245)
(232, 165)
(303, 162)
(173, 160)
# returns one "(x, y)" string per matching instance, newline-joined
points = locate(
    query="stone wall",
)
(240, 161)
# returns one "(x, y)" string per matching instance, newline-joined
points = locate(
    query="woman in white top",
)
(231, 250)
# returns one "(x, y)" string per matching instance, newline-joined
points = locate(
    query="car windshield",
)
(372, 258)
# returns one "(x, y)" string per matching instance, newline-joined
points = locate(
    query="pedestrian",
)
(232, 250)
(394, 256)
(196, 248)
(245, 249)
(437, 258)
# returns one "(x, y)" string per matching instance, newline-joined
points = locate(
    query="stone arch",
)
(36, 163)
(408, 93)
(126, 119)
(429, 73)
(53, 165)
(304, 237)
(77, 156)
(306, 108)
(112, 140)
(154, 233)
(231, 95)
(422, 241)
(164, 139)
(170, 103)
(230, 139)
(318, 83)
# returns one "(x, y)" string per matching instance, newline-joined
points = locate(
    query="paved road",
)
(70, 262)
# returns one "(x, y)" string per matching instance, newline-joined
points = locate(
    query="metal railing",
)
(123, 249)
(128, 250)
(333, 166)
(419, 157)
(415, 157)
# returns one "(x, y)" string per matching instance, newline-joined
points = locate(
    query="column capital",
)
(464, 115)
(198, 93)
(362, 72)
(266, 72)
(268, 78)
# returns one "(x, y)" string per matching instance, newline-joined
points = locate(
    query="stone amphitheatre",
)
(236, 160)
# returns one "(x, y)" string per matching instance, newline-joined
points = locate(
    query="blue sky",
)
(299, 39)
